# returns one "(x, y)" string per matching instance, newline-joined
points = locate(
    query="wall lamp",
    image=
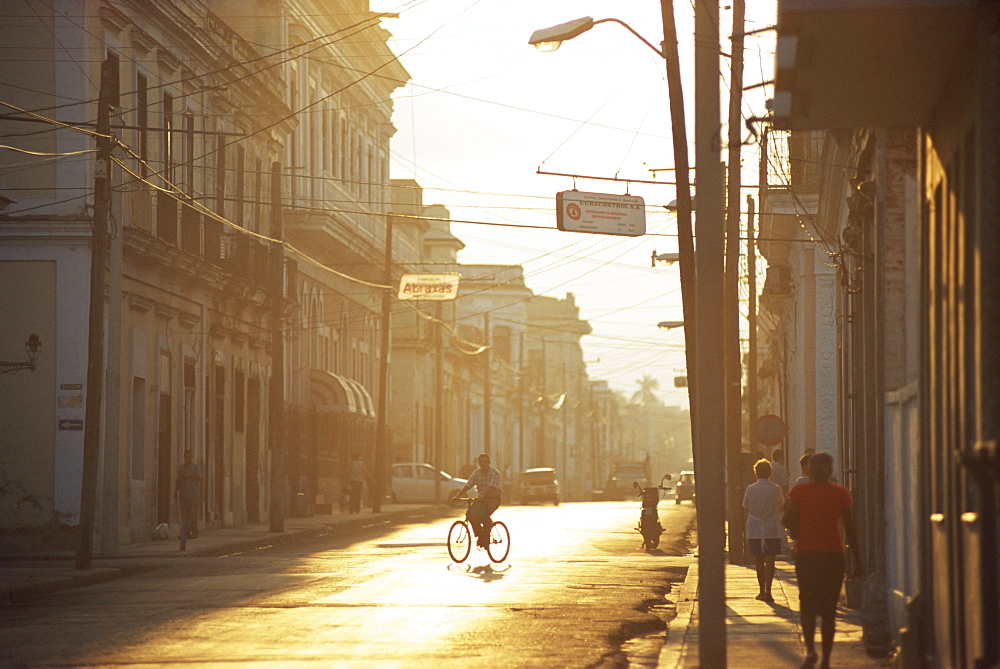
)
(31, 347)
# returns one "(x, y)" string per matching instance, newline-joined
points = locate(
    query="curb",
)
(10, 593)
(672, 653)
(19, 593)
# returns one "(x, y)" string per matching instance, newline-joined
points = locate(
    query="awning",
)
(340, 394)
(364, 399)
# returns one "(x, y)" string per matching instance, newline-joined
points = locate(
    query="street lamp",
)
(670, 325)
(550, 39)
(31, 347)
(668, 258)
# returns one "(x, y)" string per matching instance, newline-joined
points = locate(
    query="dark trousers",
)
(189, 518)
(820, 576)
(355, 493)
(478, 516)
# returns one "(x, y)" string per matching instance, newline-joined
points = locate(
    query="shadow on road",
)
(486, 572)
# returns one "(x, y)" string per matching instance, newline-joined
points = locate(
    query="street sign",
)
(600, 213)
(770, 430)
(429, 286)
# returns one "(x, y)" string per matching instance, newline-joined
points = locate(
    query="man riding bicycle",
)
(487, 482)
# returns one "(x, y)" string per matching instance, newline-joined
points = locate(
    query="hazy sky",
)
(484, 111)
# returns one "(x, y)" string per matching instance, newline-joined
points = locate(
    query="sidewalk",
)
(27, 574)
(759, 634)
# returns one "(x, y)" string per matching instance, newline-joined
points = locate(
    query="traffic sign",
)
(770, 430)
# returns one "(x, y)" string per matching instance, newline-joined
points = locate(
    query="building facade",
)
(906, 214)
(226, 254)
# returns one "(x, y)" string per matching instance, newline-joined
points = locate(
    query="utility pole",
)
(710, 434)
(276, 388)
(734, 366)
(382, 427)
(564, 409)
(752, 312)
(106, 99)
(438, 399)
(522, 384)
(685, 236)
(487, 389)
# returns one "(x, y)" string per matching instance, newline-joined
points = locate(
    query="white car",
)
(414, 482)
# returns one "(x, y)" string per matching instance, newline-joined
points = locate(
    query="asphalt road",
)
(575, 586)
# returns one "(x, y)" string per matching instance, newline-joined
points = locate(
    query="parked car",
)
(539, 485)
(414, 482)
(685, 487)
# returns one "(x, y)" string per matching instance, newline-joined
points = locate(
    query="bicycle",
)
(460, 538)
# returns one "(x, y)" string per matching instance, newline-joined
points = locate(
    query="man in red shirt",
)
(813, 515)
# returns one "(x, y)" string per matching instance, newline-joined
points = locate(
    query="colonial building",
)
(238, 138)
(894, 197)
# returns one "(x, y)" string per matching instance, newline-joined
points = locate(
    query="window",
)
(142, 121)
(188, 418)
(239, 404)
(220, 176)
(501, 342)
(240, 176)
(138, 436)
(189, 153)
(255, 224)
(168, 137)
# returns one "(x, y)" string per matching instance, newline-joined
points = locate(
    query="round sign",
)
(770, 430)
(573, 211)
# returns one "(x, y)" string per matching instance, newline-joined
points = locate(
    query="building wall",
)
(28, 401)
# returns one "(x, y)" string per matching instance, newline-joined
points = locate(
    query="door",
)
(164, 464)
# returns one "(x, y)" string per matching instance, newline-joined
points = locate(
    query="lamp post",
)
(31, 347)
(706, 385)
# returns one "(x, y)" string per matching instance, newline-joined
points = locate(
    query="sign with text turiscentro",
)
(600, 213)
(429, 286)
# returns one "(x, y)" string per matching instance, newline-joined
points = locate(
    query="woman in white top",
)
(764, 502)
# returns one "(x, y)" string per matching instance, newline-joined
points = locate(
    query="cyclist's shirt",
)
(491, 479)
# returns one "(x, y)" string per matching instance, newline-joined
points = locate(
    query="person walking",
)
(813, 517)
(764, 501)
(357, 476)
(188, 491)
(779, 474)
(804, 468)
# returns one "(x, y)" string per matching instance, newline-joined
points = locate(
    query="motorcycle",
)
(649, 519)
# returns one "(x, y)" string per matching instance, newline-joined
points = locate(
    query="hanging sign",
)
(429, 286)
(600, 213)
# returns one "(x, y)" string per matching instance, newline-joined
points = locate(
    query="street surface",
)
(575, 586)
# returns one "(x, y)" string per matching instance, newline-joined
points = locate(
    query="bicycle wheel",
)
(499, 545)
(459, 541)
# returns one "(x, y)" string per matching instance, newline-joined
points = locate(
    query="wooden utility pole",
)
(734, 365)
(487, 389)
(276, 388)
(382, 426)
(438, 399)
(752, 313)
(106, 99)
(685, 235)
(710, 434)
